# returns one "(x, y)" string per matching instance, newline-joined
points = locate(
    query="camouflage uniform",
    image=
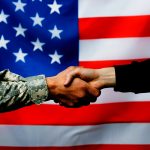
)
(16, 91)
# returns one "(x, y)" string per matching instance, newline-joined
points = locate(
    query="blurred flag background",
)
(45, 37)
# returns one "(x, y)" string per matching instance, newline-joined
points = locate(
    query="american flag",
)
(45, 37)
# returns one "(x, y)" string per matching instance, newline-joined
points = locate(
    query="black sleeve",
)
(134, 77)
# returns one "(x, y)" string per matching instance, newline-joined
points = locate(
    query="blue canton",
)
(38, 36)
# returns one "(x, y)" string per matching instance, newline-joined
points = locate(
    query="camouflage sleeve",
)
(16, 91)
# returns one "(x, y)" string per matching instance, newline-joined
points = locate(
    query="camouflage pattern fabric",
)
(16, 91)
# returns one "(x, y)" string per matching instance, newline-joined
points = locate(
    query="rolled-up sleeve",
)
(16, 91)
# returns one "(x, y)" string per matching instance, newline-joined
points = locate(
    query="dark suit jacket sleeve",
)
(134, 77)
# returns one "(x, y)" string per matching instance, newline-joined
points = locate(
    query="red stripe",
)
(84, 147)
(105, 63)
(90, 115)
(114, 27)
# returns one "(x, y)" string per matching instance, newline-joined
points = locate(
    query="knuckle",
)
(78, 70)
(97, 93)
(81, 95)
(83, 87)
(71, 68)
(71, 104)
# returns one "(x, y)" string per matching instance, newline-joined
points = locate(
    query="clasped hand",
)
(76, 86)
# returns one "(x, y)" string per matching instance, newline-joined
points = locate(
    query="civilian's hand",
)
(98, 78)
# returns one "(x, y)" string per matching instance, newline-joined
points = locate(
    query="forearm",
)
(132, 77)
(16, 91)
(107, 77)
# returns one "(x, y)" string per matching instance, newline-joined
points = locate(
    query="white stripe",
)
(114, 49)
(110, 96)
(97, 8)
(127, 133)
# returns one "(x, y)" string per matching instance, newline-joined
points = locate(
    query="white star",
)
(3, 17)
(3, 42)
(38, 45)
(55, 32)
(19, 5)
(55, 7)
(20, 55)
(20, 30)
(37, 20)
(55, 57)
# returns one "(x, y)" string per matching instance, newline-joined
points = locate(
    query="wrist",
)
(107, 76)
(51, 84)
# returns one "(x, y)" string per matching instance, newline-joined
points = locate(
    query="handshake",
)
(78, 86)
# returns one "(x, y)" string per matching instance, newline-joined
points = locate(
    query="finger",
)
(85, 102)
(66, 102)
(74, 104)
(91, 99)
(60, 103)
(96, 84)
(71, 105)
(87, 99)
(56, 101)
(93, 91)
(69, 78)
(77, 72)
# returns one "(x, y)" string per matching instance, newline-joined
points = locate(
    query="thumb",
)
(82, 73)
(71, 75)
(69, 79)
